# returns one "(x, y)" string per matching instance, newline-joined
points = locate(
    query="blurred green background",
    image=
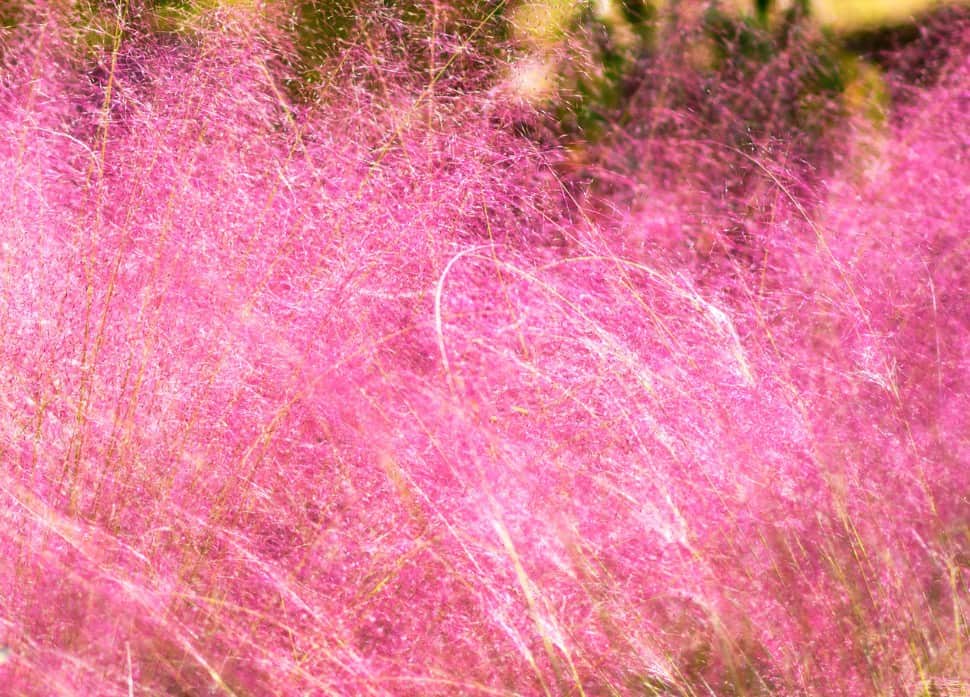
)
(581, 62)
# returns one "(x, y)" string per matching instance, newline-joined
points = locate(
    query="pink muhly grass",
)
(360, 397)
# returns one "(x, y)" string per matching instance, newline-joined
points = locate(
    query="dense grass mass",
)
(386, 386)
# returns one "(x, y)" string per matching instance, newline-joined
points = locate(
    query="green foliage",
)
(421, 33)
(602, 53)
(320, 26)
(10, 15)
(738, 38)
(724, 48)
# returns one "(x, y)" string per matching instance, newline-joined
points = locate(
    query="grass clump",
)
(382, 390)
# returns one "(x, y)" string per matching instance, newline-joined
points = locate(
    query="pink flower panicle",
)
(361, 395)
